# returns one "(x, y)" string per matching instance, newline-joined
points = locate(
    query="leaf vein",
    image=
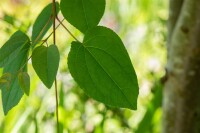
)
(85, 14)
(110, 77)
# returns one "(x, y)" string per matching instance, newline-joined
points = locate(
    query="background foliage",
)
(142, 26)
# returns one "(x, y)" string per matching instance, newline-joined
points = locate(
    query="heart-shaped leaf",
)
(24, 82)
(45, 61)
(83, 14)
(43, 23)
(103, 69)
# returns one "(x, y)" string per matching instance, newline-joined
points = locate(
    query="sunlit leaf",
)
(45, 61)
(43, 23)
(83, 14)
(103, 69)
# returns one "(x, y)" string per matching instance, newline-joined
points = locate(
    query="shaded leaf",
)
(45, 61)
(12, 47)
(24, 82)
(43, 23)
(103, 69)
(12, 96)
(83, 14)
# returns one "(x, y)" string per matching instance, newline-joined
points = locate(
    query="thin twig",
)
(54, 41)
(51, 33)
(67, 29)
(40, 34)
(25, 63)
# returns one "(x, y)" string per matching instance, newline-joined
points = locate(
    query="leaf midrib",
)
(84, 12)
(111, 57)
(89, 72)
(111, 78)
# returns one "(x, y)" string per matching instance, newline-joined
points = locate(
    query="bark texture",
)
(181, 103)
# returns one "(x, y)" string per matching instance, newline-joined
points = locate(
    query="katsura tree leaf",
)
(83, 14)
(24, 82)
(12, 95)
(12, 47)
(43, 23)
(45, 61)
(103, 69)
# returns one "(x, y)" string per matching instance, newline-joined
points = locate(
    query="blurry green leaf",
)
(146, 123)
(12, 96)
(83, 14)
(61, 96)
(9, 19)
(43, 23)
(24, 82)
(103, 69)
(61, 105)
(12, 47)
(45, 61)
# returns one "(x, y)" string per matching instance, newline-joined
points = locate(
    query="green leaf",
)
(103, 69)
(24, 82)
(9, 19)
(12, 47)
(45, 61)
(43, 23)
(83, 14)
(12, 95)
(146, 123)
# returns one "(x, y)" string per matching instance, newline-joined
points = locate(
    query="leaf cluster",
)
(100, 64)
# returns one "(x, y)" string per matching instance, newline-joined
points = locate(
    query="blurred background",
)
(142, 26)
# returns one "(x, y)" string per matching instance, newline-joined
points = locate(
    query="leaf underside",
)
(12, 47)
(11, 95)
(103, 69)
(43, 23)
(45, 61)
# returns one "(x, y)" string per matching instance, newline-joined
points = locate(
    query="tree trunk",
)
(181, 103)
